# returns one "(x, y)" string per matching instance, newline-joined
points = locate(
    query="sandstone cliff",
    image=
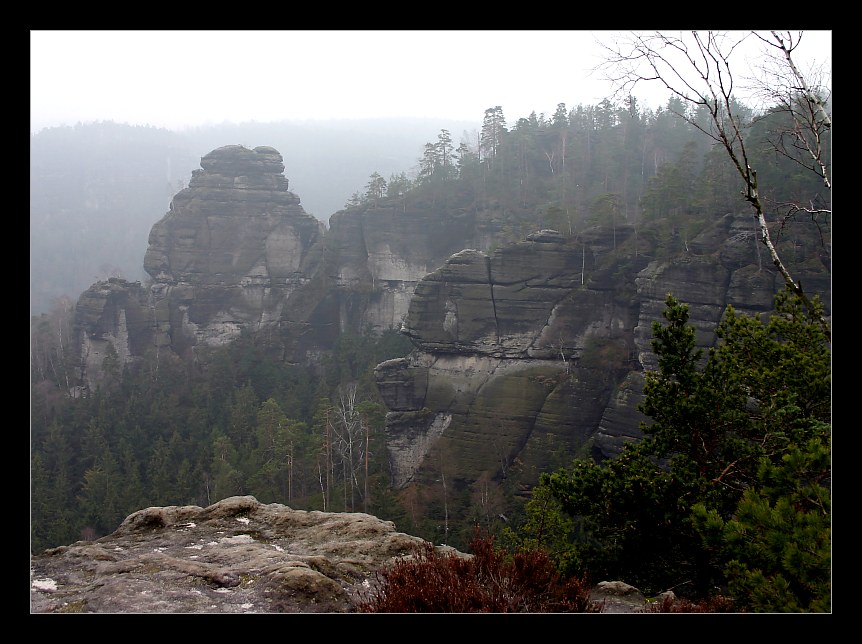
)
(525, 356)
(535, 353)
(237, 253)
(230, 254)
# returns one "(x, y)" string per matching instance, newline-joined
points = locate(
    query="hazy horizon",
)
(181, 79)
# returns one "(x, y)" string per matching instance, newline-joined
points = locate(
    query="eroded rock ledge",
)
(235, 556)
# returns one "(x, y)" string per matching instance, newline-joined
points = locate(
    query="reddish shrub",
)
(715, 604)
(489, 581)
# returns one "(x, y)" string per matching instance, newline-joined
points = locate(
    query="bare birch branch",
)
(698, 70)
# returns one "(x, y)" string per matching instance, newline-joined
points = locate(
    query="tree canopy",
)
(731, 484)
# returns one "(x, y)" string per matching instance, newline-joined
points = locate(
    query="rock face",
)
(114, 323)
(376, 257)
(232, 250)
(235, 556)
(237, 253)
(513, 362)
(229, 256)
(540, 348)
(525, 357)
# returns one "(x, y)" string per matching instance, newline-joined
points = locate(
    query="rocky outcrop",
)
(237, 253)
(524, 357)
(230, 255)
(540, 348)
(239, 556)
(235, 556)
(514, 358)
(114, 326)
(234, 247)
(381, 253)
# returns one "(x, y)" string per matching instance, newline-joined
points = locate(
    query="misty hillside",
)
(97, 189)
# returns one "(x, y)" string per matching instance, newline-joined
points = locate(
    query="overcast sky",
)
(176, 79)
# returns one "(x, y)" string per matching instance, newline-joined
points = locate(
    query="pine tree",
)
(737, 448)
(375, 189)
(493, 129)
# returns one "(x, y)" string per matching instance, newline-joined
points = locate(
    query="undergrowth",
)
(492, 580)
(715, 604)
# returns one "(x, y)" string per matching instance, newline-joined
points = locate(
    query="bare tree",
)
(804, 98)
(696, 67)
(50, 344)
(348, 441)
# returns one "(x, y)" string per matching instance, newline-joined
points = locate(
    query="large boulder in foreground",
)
(235, 556)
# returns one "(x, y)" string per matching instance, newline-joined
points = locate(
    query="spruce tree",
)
(730, 485)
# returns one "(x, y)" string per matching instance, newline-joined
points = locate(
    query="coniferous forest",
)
(716, 510)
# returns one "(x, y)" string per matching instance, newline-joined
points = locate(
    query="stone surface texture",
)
(237, 556)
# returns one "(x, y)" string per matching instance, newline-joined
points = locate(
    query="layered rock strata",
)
(237, 253)
(230, 255)
(540, 348)
(524, 357)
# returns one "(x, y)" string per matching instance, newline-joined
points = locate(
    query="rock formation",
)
(235, 556)
(539, 348)
(525, 357)
(497, 363)
(234, 248)
(237, 253)
(238, 556)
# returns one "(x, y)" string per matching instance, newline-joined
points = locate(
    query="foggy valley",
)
(96, 189)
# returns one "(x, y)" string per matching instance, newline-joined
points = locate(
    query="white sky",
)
(175, 79)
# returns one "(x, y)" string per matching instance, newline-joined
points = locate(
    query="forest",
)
(314, 438)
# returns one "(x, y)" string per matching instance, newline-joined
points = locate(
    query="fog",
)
(177, 79)
(334, 93)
